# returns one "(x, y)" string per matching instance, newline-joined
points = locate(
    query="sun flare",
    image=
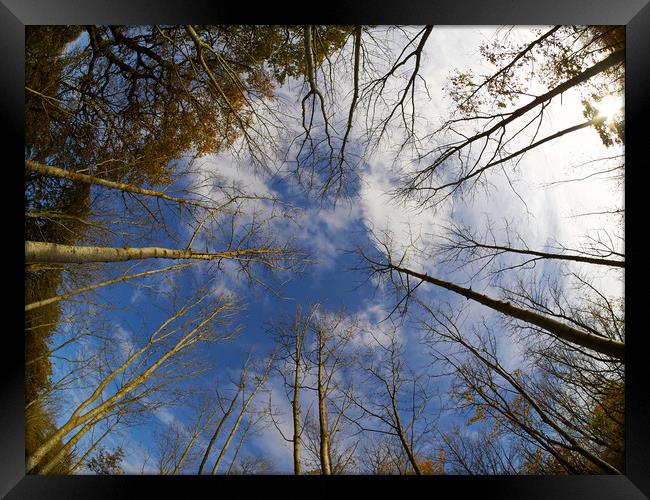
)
(609, 107)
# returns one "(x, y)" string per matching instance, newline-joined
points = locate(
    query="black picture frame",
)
(634, 14)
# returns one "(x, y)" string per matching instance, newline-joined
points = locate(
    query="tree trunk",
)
(198, 431)
(213, 438)
(239, 446)
(82, 460)
(77, 418)
(260, 383)
(556, 256)
(402, 437)
(322, 414)
(67, 446)
(89, 179)
(232, 432)
(57, 298)
(560, 330)
(612, 60)
(42, 252)
(296, 413)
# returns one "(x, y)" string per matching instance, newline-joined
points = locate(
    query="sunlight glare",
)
(609, 107)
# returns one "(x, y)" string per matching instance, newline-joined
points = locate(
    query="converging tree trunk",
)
(560, 330)
(104, 407)
(260, 382)
(41, 252)
(326, 468)
(295, 404)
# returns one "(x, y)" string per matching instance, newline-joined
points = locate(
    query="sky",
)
(329, 233)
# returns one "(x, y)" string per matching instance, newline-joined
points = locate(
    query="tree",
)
(547, 410)
(160, 87)
(176, 444)
(139, 143)
(562, 74)
(461, 246)
(542, 415)
(314, 355)
(252, 381)
(129, 383)
(291, 341)
(258, 381)
(331, 338)
(124, 105)
(395, 398)
(596, 341)
(107, 463)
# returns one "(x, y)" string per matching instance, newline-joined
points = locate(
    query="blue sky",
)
(327, 232)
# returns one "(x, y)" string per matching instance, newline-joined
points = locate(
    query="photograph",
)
(327, 249)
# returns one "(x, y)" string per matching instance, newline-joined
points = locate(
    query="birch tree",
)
(153, 361)
(258, 381)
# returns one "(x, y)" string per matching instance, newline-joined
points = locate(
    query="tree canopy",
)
(324, 249)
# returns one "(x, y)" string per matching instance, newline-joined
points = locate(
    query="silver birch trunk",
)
(42, 252)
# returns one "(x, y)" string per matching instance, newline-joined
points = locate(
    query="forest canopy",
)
(324, 249)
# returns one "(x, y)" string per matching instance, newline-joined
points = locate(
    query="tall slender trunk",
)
(259, 384)
(42, 252)
(611, 60)
(120, 186)
(296, 410)
(77, 418)
(555, 256)
(322, 413)
(222, 453)
(558, 427)
(239, 446)
(477, 172)
(563, 331)
(57, 298)
(400, 432)
(409, 453)
(215, 434)
(197, 432)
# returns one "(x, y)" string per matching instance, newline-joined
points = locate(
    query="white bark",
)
(42, 252)
(78, 418)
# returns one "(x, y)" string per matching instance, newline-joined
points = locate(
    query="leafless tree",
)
(539, 408)
(561, 328)
(142, 371)
(292, 367)
(394, 398)
(453, 165)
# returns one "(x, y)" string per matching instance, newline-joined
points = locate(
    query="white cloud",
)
(165, 415)
(375, 326)
(324, 232)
